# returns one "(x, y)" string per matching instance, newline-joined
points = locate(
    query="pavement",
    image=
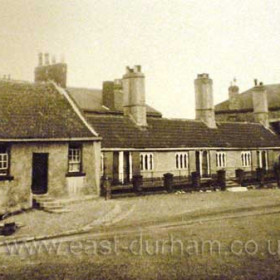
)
(145, 212)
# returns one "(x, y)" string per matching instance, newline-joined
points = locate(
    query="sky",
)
(173, 40)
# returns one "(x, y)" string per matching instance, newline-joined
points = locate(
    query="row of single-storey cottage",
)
(60, 141)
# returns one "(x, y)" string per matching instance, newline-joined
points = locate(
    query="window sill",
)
(75, 174)
(6, 178)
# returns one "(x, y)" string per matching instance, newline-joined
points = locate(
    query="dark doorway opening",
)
(205, 164)
(40, 173)
(126, 167)
(264, 160)
(197, 161)
(116, 168)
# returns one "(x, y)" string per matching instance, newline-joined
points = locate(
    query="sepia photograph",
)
(139, 140)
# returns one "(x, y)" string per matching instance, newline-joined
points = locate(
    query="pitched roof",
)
(91, 100)
(120, 132)
(245, 100)
(29, 111)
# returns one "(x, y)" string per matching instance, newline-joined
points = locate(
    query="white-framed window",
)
(146, 161)
(75, 158)
(182, 160)
(4, 160)
(221, 159)
(246, 159)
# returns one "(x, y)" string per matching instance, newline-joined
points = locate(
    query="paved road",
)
(109, 232)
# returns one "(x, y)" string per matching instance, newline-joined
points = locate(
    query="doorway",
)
(126, 167)
(40, 173)
(262, 159)
(202, 163)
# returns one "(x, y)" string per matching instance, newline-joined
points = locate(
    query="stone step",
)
(231, 183)
(57, 211)
(237, 189)
(49, 204)
(43, 199)
(53, 207)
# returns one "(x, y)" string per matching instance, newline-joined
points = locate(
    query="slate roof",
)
(91, 100)
(29, 110)
(120, 132)
(246, 101)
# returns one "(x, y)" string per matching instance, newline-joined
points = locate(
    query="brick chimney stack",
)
(112, 95)
(233, 92)
(134, 104)
(204, 100)
(260, 105)
(46, 72)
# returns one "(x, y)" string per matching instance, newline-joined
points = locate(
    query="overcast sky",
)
(173, 41)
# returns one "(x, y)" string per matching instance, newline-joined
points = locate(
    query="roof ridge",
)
(11, 81)
(244, 93)
(75, 108)
(180, 119)
(88, 88)
(239, 122)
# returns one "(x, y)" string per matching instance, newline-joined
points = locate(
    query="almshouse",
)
(138, 140)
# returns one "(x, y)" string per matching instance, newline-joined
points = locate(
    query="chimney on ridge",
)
(46, 72)
(233, 92)
(260, 105)
(204, 108)
(134, 104)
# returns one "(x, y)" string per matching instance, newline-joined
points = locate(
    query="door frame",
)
(45, 188)
(199, 162)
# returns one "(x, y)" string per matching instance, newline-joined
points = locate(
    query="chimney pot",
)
(137, 68)
(260, 105)
(256, 82)
(47, 59)
(62, 58)
(40, 59)
(53, 59)
(128, 70)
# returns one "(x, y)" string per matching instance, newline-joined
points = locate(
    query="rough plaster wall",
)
(18, 191)
(108, 163)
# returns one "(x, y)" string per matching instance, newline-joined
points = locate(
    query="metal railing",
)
(182, 178)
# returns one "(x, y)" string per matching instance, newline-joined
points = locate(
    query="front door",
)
(40, 173)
